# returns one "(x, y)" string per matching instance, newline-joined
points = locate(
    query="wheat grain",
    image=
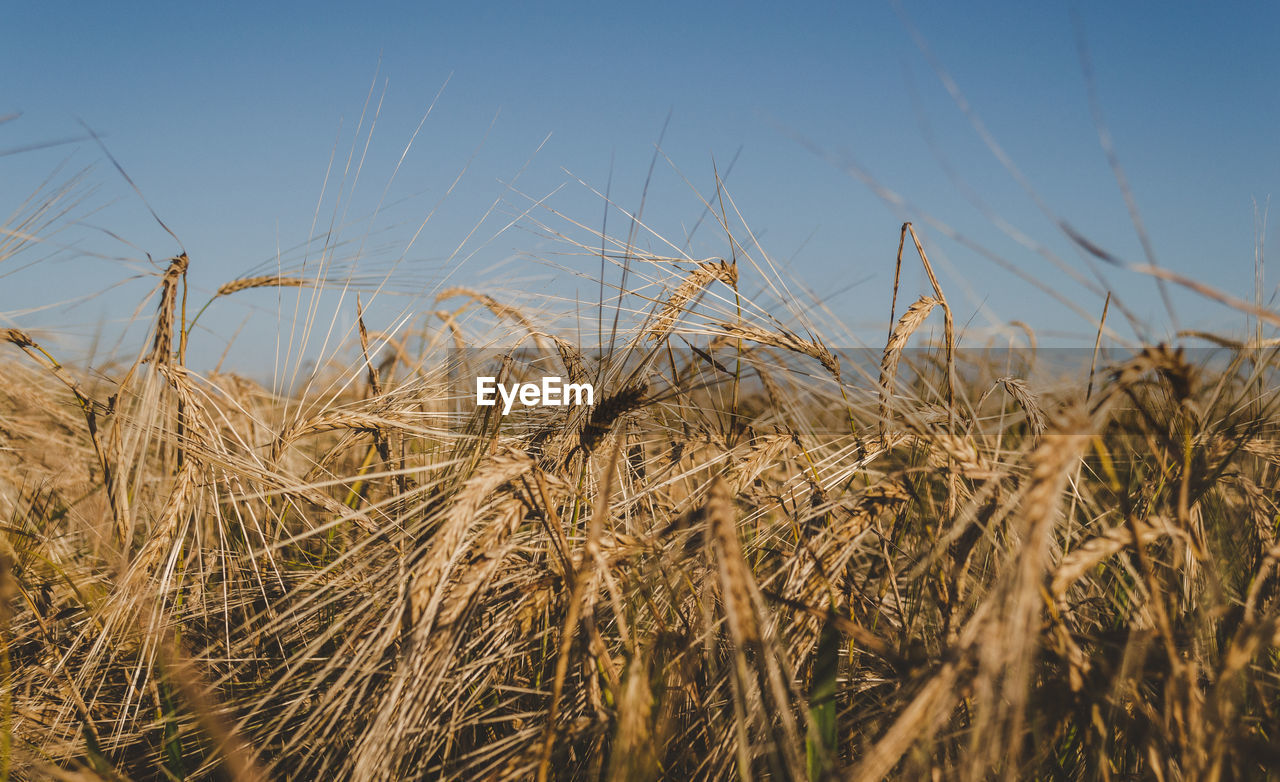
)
(907, 325)
(687, 291)
(261, 281)
(162, 349)
(786, 341)
(1030, 405)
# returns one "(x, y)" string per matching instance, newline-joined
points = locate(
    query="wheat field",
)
(756, 556)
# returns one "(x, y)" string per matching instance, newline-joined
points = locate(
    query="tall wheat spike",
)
(898, 338)
(162, 350)
(1006, 662)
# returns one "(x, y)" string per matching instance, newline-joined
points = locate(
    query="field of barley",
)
(758, 555)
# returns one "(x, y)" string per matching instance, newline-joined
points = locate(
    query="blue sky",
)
(226, 116)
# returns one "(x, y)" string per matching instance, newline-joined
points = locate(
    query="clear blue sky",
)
(225, 116)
